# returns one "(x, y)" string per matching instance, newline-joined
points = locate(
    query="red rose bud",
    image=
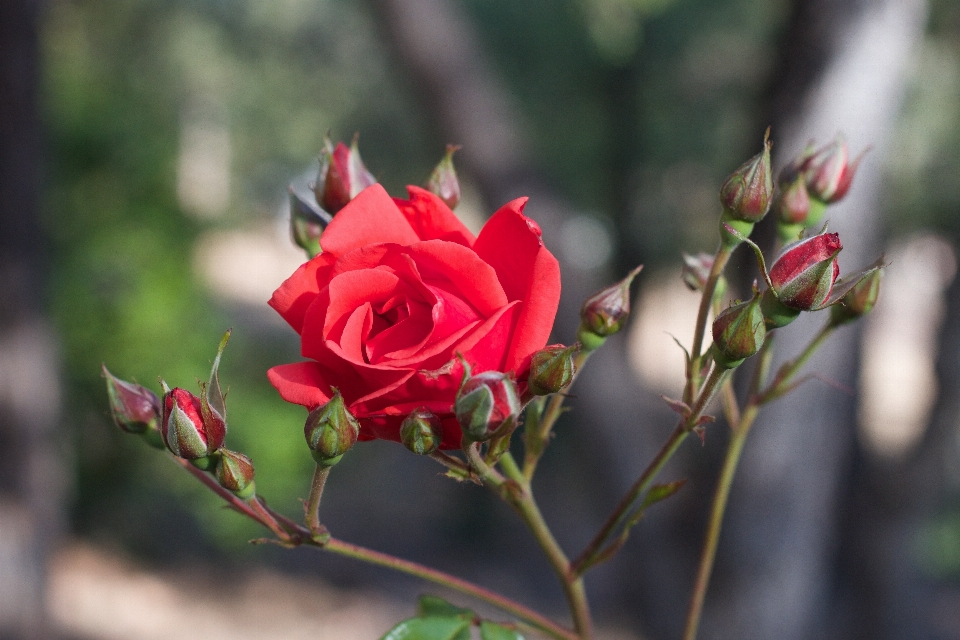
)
(804, 274)
(421, 431)
(738, 333)
(829, 171)
(605, 312)
(746, 194)
(342, 176)
(551, 369)
(330, 431)
(795, 210)
(859, 301)
(487, 404)
(184, 430)
(134, 408)
(443, 181)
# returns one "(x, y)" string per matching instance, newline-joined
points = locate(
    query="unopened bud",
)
(738, 333)
(330, 431)
(235, 473)
(551, 369)
(342, 175)
(421, 431)
(605, 312)
(795, 210)
(829, 171)
(185, 431)
(859, 301)
(307, 222)
(134, 408)
(802, 279)
(487, 405)
(443, 182)
(746, 194)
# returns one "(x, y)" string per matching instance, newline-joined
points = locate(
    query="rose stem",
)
(642, 484)
(572, 584)
(312, 508)
(731, 460)
(303, 536)
(693, 374)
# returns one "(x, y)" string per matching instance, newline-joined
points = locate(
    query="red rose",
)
(400, 289)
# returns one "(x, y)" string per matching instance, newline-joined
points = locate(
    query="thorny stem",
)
(693, 374)
(312, 508)
(299, 534)
(622, 511)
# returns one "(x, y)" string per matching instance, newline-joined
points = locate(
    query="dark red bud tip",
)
(605, 312)
(747, 192)
(487, 405)
(803, 276)
(443, 182)
(331, 430)
(342, 176)
(134, 408)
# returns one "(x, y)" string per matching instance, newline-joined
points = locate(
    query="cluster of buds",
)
(190, 427)
(817, 178)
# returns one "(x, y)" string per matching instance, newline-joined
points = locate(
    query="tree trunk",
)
(30, 467)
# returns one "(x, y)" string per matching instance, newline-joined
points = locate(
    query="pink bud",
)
(605, 312)
(803, 275)
(487, 405)
(829, 172)
(135, 409)
(745, 195)
(342, 176)
(184, 430)
(443, 182)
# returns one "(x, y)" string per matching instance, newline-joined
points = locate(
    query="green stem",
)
(622, 511)
(439, 577)
(693, 375)
(312, 509)
(717, 510)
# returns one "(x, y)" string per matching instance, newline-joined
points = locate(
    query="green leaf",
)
(493, 631)
(660, 492)
(436, 607)
(433, 628)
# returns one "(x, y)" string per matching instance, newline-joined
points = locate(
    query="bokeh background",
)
(145, 151)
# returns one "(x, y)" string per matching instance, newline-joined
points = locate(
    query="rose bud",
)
(235, 473)
(330, 431)
(307, 222)
(859, 301)
(801, 278)
(551, 369)
(829, 171)
(443, 181)
(421, 431)
(738, 333)
(745, 195)
(795, 210)
(487, 404)
(134, 408)
(342, 176)
(185, 431)
(605, 312)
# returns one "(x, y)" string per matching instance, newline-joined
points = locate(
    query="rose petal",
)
(431, 218)
(370, 218)
(527, 271)
(476, 281)
(292, 299)
(355, 332)
(301, 383)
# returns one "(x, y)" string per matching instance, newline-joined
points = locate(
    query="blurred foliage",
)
(637, 110)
